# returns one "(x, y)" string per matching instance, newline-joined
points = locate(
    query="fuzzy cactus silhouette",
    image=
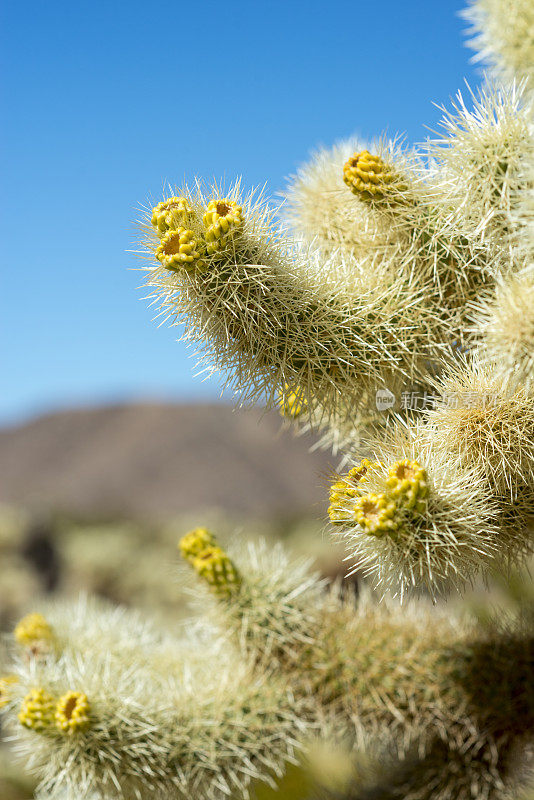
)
(388, 305)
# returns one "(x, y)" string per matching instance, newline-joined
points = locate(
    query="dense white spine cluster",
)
(503, 36)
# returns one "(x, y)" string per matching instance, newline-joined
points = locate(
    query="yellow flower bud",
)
(292, 403)
(407, 482)
(35, 633)
(217, 569)
(367, 176)
(376, 514)
(180, 249)
(339, 509)
(194, 542)
(346, 489)
(37, 710)
(72, 713)
(222, 219)
(171, 214)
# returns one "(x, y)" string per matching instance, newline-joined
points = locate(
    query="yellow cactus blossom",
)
(194, 542)
(218, 570)
(6, 683)
(292, 403)
(407, 482)
(367, 176)
(72, 712)
(180, 249)
(222, 219)
(170, 214)
(376, 514)
(35, 632)
(37, 710)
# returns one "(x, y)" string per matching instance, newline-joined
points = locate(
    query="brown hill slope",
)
(159, 459)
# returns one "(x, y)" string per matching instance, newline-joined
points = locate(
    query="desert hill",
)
(154, 460)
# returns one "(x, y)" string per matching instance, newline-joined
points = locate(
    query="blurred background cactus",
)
(386, 307)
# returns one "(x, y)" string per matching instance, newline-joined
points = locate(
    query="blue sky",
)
(104, 101)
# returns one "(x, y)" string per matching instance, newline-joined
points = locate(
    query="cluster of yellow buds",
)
(171, 214)
(6, 684)
(199, 547)
(346, 489)
(407, 482)
(367, 176)
(43, 713)
(379, 513)
(35, 633)
(292, 402)
(180, 249)
(72, 712)
(222, 219)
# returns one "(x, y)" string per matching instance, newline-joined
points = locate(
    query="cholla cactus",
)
(395, 273)
(390, 274)
(503, 35)
(506, 323)
(448, 705)
(148, 714)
